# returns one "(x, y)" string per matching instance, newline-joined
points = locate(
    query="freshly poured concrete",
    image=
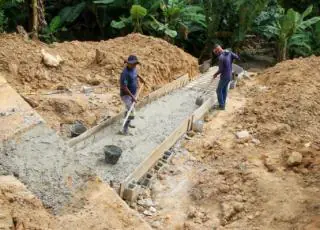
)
(43, 161)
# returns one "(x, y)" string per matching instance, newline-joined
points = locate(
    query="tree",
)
(290, 31)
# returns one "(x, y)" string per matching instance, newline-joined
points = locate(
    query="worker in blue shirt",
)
(225, 71)
(128, 88)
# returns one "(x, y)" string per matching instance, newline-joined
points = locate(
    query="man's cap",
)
(132, 59)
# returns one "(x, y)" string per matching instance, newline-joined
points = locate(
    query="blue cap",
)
(132, 59)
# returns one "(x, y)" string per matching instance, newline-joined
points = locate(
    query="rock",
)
(152, 210)
(147, 203)
(197, 126)
(50, 60)
(238, 207)
(156, 224)
(243, 134)
(223, 188)
(250, 217)
(86, 89)
(294, 159)
(256, 141)
(191, 133)
(269, 164)
(147, 213)
(13, 68)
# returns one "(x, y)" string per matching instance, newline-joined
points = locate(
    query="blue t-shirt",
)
(129, 78)
(225, 64)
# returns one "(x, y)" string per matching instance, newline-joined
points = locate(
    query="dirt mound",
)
(284, 110)
(288, 98)
(93, 64)
(95, 204)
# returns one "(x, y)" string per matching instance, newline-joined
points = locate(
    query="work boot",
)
(125, 133)
(218, 107)
(131, 126)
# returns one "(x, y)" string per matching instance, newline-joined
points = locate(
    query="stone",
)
(156, 224)
(256, 141)
(191, 133)
(147, 203)
(243, 134)
(238, 207)
(147, 213)
(86, 89)
(50, 60)
(269, 164)
(294, 159)
(152, 210)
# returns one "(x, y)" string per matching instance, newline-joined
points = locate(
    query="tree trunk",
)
(35, 22)
(282, 50)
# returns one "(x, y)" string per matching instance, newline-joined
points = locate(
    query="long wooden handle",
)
(132, 106)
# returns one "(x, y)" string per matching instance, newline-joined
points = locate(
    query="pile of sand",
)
(284, 109)
(288, 96)
(90, 64)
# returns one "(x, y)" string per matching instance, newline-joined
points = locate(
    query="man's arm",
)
(235, 56)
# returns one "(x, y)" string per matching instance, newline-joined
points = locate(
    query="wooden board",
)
(176, 84)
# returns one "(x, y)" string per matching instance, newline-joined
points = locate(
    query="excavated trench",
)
(52, 170)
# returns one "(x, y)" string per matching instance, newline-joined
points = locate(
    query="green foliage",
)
(290, 30)
(3, 21)
(248, 11)
(66, 16)
(137, 13)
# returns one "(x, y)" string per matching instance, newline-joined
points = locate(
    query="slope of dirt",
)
(96, 207)
(269, 180)
(93, 64)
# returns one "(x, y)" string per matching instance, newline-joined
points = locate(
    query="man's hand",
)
(215, 76)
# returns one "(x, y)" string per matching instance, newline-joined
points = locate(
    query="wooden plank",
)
(157, 153)
(180, 82)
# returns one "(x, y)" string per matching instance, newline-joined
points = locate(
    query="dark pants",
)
(222, 91)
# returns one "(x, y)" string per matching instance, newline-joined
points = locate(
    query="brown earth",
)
(94, 64)
(96, 207)
(217, 181)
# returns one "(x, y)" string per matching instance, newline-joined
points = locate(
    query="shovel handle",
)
(132, 106)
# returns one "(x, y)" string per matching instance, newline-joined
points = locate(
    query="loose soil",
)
(217, 181)
(96, 206)
(93, 64)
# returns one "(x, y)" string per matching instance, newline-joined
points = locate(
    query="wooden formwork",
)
(158, 152)
(89, 136)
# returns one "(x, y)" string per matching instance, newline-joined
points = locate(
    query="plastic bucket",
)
(112, 154)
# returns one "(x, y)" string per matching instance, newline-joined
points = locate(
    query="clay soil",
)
(96, 206)
(56, 92)
(218, 181)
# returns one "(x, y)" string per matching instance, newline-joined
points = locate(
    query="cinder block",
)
(131, 193)
(146, 182)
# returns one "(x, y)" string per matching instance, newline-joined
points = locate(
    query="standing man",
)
(128, 88)
(225, 70)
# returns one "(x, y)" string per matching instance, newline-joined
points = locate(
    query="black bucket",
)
(112, 154)
(77, 128)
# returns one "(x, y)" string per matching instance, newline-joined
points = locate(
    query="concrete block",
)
(146, 182)
(131, 193)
